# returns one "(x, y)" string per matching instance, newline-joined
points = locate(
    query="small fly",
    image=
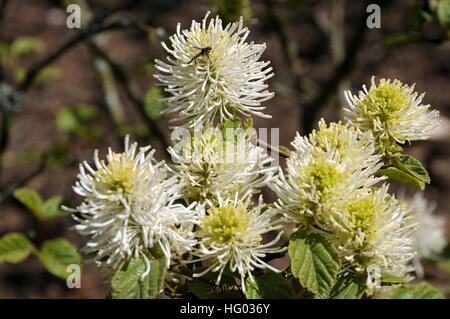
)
(203, 52)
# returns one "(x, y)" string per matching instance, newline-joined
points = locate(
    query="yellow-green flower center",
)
(384, 101)
(335, 136)
(119, 174)
(209, 157)
(326, 176)
(227, 224)
(384, 106)
(361, 215)
(335, 142)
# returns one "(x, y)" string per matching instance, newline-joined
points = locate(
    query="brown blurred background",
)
(317, 49)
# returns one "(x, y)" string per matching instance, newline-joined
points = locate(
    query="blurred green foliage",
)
(11, 54)
(421, 290)
(231, 10)
(153, 106)
(41, 209)
(56, 254)
(422, 13)
(14, 248)
(139, 130)
(78, 121)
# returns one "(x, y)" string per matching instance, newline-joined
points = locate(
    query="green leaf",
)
(253, 289)
(270, 286)
(413, 167)
(57, 254)
(58, 154)
(41, 210)
(201, 289)
(416, 18)
(408, 170)
(51, 207)
(421, 290)
(205, 290)
(231, 123)
(347, 286)
(156, 277)
(48, 73)
(313, 261)
(400, 176)
(128, 283)
(398, 38)
(24, 45)
(152, 106)
(14, 248)
(19, 73)
(66, 120)
(86, 113)
(30, 199)
(77, 120)
(388, 280)
(443, 13)
(305, 294)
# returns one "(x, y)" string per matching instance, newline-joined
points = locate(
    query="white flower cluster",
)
(328, 189)
(212, 71)
(210, 163)
(326, 168)
(393, 112)
(231, 235)
(221, 172)
(201, 209)
(202, 204)
(429, 238)
(131, 207)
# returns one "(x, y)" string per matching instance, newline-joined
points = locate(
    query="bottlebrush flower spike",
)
(394, 114)
(212, 72)
(230, 234)
(129, 208)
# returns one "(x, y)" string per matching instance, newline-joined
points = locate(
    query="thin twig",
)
(121, 75)
(8, 193)
(273, 149)
(25, 85)
(82, 35)
(277, 26)
(312, 109)
(95, 26)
